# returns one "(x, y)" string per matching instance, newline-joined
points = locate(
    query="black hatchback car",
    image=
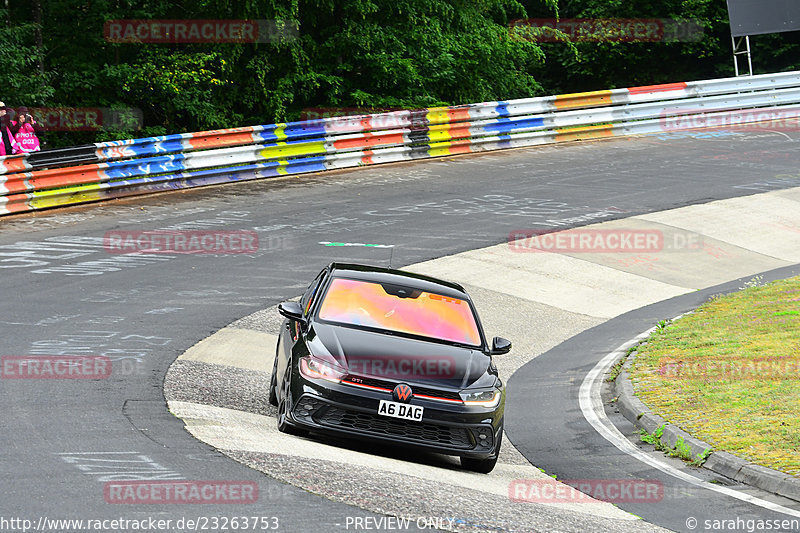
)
(390, 356)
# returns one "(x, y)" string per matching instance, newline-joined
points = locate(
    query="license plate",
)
(400, 410)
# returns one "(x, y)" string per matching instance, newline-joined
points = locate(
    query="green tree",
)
(603, 65)
(367, 54)
(21, 83)
(372, 54)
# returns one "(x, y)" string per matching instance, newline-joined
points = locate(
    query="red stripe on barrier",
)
(458, 115)
(461, 148)
(221, 138)
(658, 88)
(460, 131)
(16, 183)
(65, 177)
(14, 164)
(369, 140)
(16, 203)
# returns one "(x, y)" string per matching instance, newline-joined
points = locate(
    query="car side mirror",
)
(500, 346)
(292, 311)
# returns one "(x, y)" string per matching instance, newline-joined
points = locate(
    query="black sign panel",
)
(756, 17)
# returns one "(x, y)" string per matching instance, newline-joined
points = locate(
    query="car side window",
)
(308, 297)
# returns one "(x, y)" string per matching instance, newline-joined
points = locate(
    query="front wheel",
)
(284, 404)
(273, 384)
(482, 466)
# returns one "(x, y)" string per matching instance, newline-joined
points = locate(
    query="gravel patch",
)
(219, 385)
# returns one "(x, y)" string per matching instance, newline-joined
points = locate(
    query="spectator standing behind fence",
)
(26, 132)
(7, 141)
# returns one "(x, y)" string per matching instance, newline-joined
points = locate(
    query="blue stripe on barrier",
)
(306, 128)
(266, 169)
(150, 165)
(265, 136)
(502, 109)
(507, 124)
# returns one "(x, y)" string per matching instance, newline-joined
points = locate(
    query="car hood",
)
(400, 359)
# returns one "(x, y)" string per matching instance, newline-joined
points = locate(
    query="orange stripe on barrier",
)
(458, 148)
(458, 115)
(16, 203)
(463, 146)
(657, 88)
(585, 132)
(64, 177)
(16, 183)
(575, 100)
(50, 172)
(369, 140)
(221, 139)
(462, 130)
(15, 164)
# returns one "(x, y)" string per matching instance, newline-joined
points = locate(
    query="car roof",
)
(399, 277)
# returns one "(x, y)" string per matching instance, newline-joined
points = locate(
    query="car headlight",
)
(312, 368)
(487, 398)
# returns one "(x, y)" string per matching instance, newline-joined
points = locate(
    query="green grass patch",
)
(681, 449)
(617, 368)
(729, 373)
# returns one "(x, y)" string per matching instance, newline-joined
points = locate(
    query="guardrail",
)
(140, 166)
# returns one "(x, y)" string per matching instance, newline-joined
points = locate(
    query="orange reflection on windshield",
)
(364, 303)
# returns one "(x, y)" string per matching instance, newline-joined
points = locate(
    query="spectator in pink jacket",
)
(7, 141)
(25, 132)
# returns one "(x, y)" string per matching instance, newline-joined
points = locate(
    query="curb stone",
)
(723, 463)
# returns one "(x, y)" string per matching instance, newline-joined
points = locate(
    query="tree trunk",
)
(37, 19)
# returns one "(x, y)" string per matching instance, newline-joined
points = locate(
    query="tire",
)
(273, 384)
(284, 403)
(482, 466)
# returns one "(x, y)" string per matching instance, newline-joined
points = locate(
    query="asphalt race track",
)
(64, 294)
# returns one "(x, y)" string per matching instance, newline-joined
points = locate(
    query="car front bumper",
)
(447, 429)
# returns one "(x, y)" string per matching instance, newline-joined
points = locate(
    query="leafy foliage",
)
(608, 65)
(369, 54)
(20, 80)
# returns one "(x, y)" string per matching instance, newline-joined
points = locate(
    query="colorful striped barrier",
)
(139, 166)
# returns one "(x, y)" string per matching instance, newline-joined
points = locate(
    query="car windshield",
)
(399, 308)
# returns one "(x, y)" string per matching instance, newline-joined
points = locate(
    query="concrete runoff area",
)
(520, 295)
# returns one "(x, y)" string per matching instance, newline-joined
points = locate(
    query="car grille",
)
(372, 382)
(451, 437)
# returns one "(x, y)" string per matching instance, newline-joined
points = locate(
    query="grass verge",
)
(729, 373)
